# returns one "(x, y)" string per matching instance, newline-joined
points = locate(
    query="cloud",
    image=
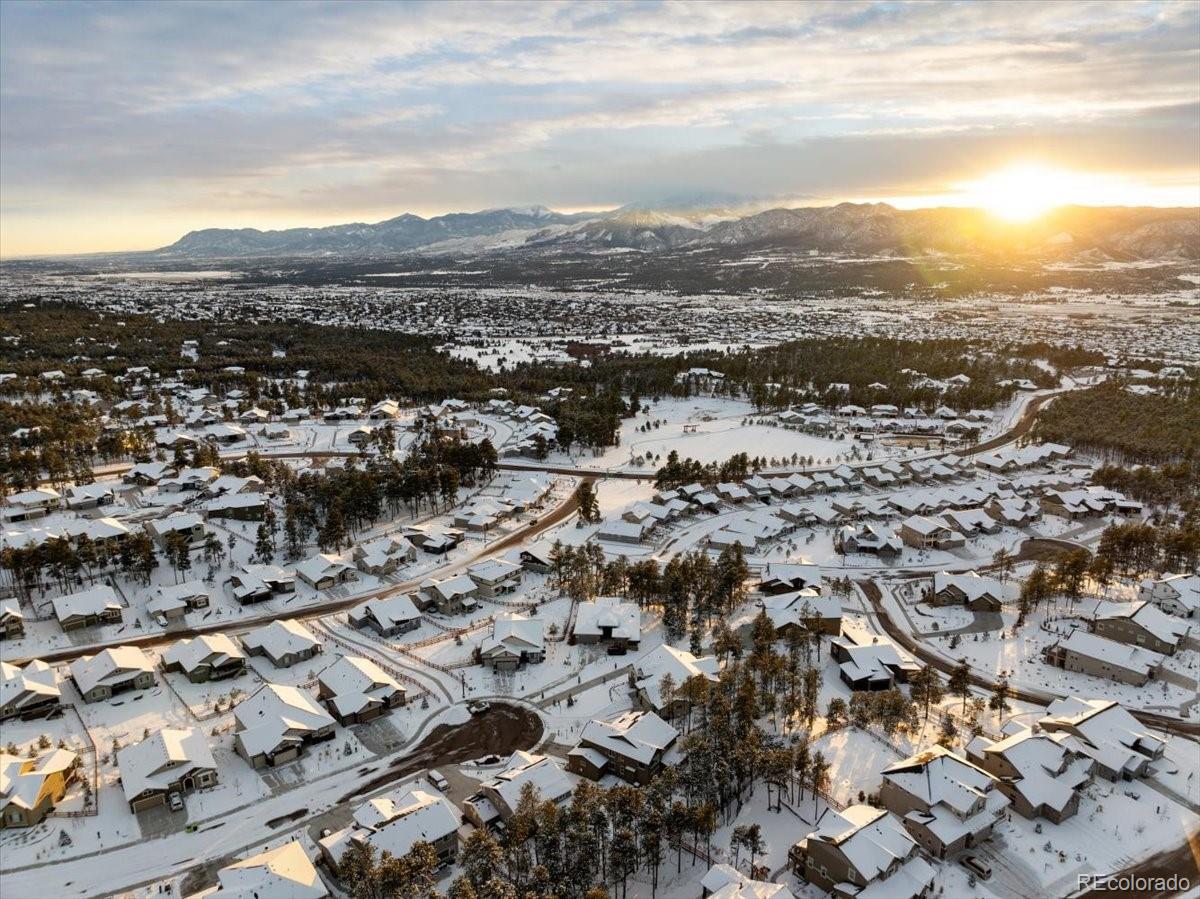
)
(258, 113)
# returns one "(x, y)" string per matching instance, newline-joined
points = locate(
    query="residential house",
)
(96, 605)
(1041, 774)
(172, 602)
(29, 691)
(630, 746)
(171, 760)
(257, 583)
(384, 555)
(868, 539)
(323, 571)
(1143, 624)
(12, 620)
(608, 620)
(495, 801)
(1120, 747)
(451, 596)
(112, 671)
(920, 532)
(208, 657)
(783, 577)
(495, 577)
(276, 723)
(284, 871)
(621, 532)
(515, 640)
(238, 506)
(537, 558)
(31, 787)
(396, 821)
(29, 504)
(388, 616)
(285, 643)
(665, 667)
(188, 525)
(806, 610)
(81, 497)
(869, 661)
(725, 882)
(1100, 657)
(355, 690)
(1175, 594)
(972, 590)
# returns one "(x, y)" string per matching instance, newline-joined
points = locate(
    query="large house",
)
(208, 657)
(725, 882)
(112, 671)
(1143, 624)
(172, 602)
(805, 610)
(31, 787)
(515, 641)
(977, 593)
(867, 538)
(631, 746)
(450, 596)
(869, 661)
(1041, 774)
(355, 690)
(1176, 594)
(387, 617)
(783, 577)
(1091, 654)
(12, 620)
(393, 823)
(284, 871)
(168, 761)
(258, 583)
(495, 577)
(29, 504)
(665, 666)
(497, 798)
(276, 723)
(186, 525)
(323, 571)
(920, 532)
(284, 642)
(609, 620)
(31, 691)
(384, 555)
(862, 851)
(1116, 742)
(945, 802)
(97, 605)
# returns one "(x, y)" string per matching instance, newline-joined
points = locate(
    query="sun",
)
(1021, 193)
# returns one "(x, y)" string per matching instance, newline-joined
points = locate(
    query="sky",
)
(125, 125)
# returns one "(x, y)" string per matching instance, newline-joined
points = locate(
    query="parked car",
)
(175, 801)
(436, 778)
(478, 707)
(977, 865)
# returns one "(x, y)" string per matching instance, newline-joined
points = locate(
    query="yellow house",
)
(30, 788)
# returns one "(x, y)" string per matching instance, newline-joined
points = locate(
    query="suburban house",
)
(609, 620)
(1090, 654)
(188, 525)
(188, 479)
(284, 871)
(171, 760)
(29, 691)
(1143, 624)
(12, 620)
(867, 538)
(515, 640)
(323, 571)
(496, 799)
(945, 802)
(450, 596)
(650, 673)
(869, 661)
(238, 506)
(97, 605)
(208, 657)
(355, 690)
(257, 583)
(1041, 774)
(387, 617)
(864, 851)
(383, 555)
(30, 504)
(1175, 594)
(173, 601)
(537, 559)
(781, 577)
(394, 822)
(285, 643)
(806, 610)
(725, 882)
(112, 671)
(30, 788)
(977, 593)
(495, 577)
(147, 474)
(1121, 747)
(274, 725)
(920, 532)
(631, 746)
(81, 497)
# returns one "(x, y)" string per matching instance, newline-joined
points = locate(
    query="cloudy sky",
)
(123, 125)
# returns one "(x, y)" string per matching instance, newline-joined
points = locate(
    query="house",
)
(515, 641)
(30, 504)
(231, 483)
(436, 541)
(323, 571)
(866, 538)
(1100, 657)
(188, 525)
(495, 577)
(653, 669)
(383, 555)
(538, 559)
(945, 802)
(862, 851)
(1015, 512)
(189, 479)
(731, 492)
(205, 658)
(782, 577)
(1120, 747)
(806, 610)
(355, 690)
(495, 801)
(970, 522)
(12, 620)
(30, 788)
(384, 410)
(631, 746)
(284, 871)
(870, 661)
(285, 642)
(81, 497)
(725, 882)
(238, 506)
(1175, 594)
(256, 583)
(386, 616)
(608, 620)
(224, 433)
(452, 595)
(147, 474)
(171, 760)
(112, 671)
(394, 822)
(920, 532)
(1041, 774)
(361, 437)
(1143, 624)
(276, 723)
(621, 532)
(977, 593)
(30, 691)
(173, 601)
(97, 605)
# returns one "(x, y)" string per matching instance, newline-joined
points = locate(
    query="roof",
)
(281, 873)
(679, 663)
(871, 839)
(623, 619)
(636, 735)
(1050, 769)
(545, 774)
(321, 565)
(21, 780)
(394, 822)
(161, 759)
(619, 529)
(279, 638)
(972, 584)
(207, 649)
(725, 882)
(493, 570)
(36, 678)
(390, 611)
(86, 602)
(958, 795)
(1154, 620)
(276, 713)
(1106, 732)
(355, 683)
(1121, 655)
(795, 608)
(517, 633)
(109, 666)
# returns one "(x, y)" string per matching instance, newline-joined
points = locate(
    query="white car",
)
(175, 801)
(435, 778)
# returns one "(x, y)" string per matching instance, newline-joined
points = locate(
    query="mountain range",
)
(1117, 233)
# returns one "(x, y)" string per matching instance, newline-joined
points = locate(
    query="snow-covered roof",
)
(274, 713)
(319, 566)
(874, 842)
(1156, 622)
(797, 607)
(493, 570)
(93, 601)
(972, 584)
(516, 633)
(623, 620)
(354, 683)
(1106, 732)
(390, 611)
(280, 638)
(394, 822)
(207, 649)
(281, 873)
(21, 779)
(1050, 767)
(1123, 655)
(109, 666)
(679, 663)
(725, 882)
(544, 773)
(943, 782)
(161, 759)
(35, 679)
(635, 735)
